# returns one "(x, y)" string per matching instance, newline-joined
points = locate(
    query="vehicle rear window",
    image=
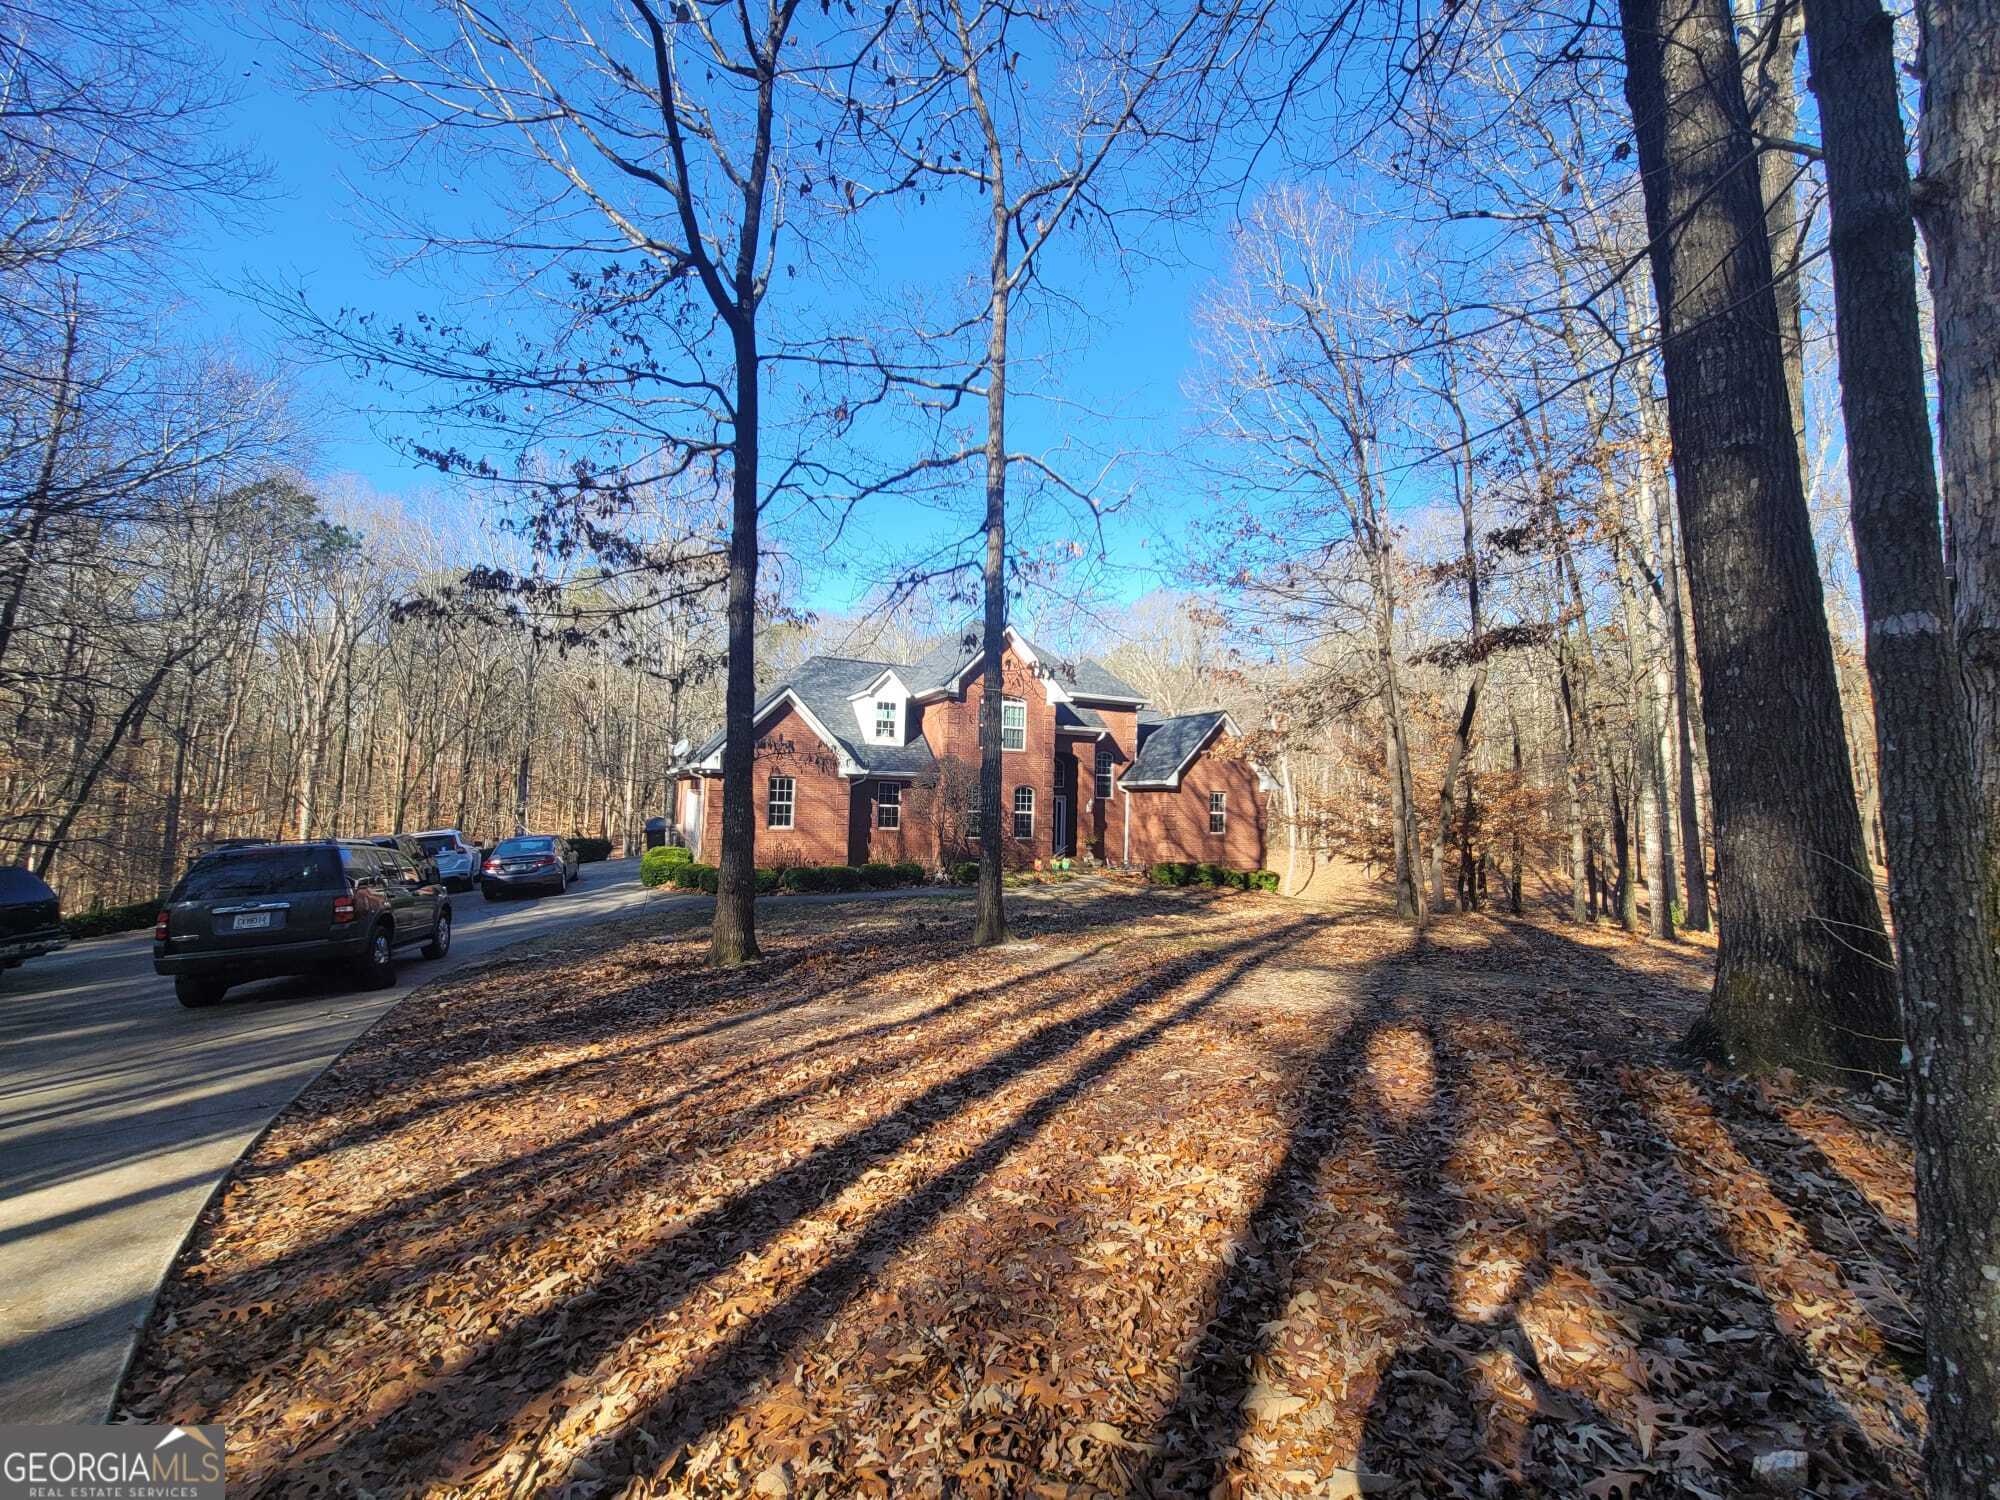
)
(17, 884)
(259, 872)
(526, 846)
(438, 843)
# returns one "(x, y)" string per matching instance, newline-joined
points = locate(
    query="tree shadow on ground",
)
(1655, 1383)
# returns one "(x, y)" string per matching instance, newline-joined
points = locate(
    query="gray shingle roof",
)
(1164, 744)
(1076, 716)
(1085, 677)
(824, 684)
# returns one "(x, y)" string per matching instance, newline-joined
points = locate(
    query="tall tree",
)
(1804, 974)
(652, 142)
(1941, 868)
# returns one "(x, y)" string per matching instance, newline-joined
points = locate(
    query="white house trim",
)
(848, 765)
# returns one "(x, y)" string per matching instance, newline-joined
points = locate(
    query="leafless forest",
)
(1585, 494)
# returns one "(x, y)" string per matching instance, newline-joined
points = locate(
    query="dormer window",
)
(886, 727)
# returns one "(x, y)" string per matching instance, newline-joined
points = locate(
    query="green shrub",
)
(841, 877)
(655, 864)
(878, 876)
(965, 872)
(1213, 874)
(692, 877)
(677, 854)
(707, 878)
(590, 851)
(1263, 880)
(109, 919)
(1239, 879)
(799, 878)
(1163, 873)
(908, 872)
(767, 882)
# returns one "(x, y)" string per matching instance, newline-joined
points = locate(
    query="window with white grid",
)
(778, 804)
(1218, 811)
(889, 804)
(1103, 770)
(1024, 812)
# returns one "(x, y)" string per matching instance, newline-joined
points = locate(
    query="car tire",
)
(489, 892)
(562, 881)
(195, 993)
(376, 967)
(440, 943)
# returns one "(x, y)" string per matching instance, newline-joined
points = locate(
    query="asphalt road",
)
(120, 1110)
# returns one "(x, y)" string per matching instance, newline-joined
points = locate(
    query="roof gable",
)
(1169, 746)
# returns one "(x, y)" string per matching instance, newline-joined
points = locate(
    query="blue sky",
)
(1128, 360)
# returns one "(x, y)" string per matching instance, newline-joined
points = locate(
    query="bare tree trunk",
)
(1582, 888)
(1772, 32)
(1804, 974)
(990, 921)
(1958, 204)
(1939, 844)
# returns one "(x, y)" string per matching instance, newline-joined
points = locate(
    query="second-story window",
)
(1103, 770)
(1013, 724)
(885, 719)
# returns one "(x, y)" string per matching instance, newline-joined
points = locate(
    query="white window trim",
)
(1015, 826)
(1103, 771)
(791, 802)
(894, 733)
(1005, 704)
(1218, 807)
(893, 804)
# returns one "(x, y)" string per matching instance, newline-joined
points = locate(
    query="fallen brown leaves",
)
(1184, 1194)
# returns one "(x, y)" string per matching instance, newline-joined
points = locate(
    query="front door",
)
(1062, 826)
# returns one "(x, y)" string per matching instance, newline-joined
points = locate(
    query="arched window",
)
(1024, 812)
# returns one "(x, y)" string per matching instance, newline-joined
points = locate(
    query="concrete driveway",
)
(120, 1110)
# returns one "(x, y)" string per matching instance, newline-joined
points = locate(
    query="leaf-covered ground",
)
(1182, 1194)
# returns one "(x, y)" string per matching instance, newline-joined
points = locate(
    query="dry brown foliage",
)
(1189, 1193)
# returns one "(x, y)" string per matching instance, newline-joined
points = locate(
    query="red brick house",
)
(872, 760)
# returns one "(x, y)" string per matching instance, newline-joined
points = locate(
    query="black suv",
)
(243, 914)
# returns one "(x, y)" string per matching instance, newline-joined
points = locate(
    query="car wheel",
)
(562, 881)
(489, 892)
(194, 993)
(440, 943)
(377, 964)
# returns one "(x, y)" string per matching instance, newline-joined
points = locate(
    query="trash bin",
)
(656, 832)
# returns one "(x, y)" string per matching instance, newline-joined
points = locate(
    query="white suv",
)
(457, 857)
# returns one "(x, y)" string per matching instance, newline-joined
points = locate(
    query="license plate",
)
(517, 865)
(250, 921)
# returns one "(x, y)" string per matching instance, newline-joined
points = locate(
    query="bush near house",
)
(672, 867)
(965, 872)
(590, 851)
(1189, 872)
(109, 919)
(655, 864)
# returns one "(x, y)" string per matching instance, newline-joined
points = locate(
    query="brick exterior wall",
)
(1173, 825)
(1100, 826)
(951, 725)
(835, 820)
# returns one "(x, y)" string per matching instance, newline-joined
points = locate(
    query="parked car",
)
(457, 856)
(528, 861)
(244, 914)
(30, 917)
(408, 846)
